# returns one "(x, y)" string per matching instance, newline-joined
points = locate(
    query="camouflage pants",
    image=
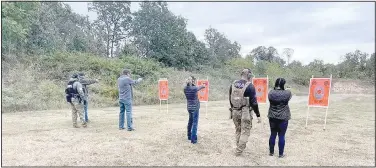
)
(77, 109)
(243, 124)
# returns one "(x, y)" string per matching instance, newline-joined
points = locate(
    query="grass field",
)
(47, 138)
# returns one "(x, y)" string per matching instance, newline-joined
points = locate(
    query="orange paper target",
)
(163, 89)
(319, 91)
(203, 94)
(261, 87)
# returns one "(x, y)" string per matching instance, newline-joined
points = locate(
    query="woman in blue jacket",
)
(193, 107)
(279, 115)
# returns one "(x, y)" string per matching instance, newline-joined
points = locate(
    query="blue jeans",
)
(85, 110)
(125, 105)
(277, 127)
(192, 126)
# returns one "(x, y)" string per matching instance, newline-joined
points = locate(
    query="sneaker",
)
(121, 128)
(131, 129)
(75, 126)
(271, 154)
(281, 156)
(84, 125)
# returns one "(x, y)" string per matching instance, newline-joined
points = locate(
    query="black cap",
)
(75, 75)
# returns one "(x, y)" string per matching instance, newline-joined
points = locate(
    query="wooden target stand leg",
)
(206, 110)
(160, 105)
(306, 124)
(206, 104)
(327, 108)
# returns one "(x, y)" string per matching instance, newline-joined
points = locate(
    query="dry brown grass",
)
(46, 138)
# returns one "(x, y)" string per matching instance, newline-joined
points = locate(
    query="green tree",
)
(57, 28)
(353, 65)
(17, 18)
(114, 19)
(317, 65)
(370, 67)
(160, 35)
(221, 47)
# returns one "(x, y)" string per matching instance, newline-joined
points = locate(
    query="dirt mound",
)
(344, 86)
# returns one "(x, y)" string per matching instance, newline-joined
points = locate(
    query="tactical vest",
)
(70, 91)
(237, 96)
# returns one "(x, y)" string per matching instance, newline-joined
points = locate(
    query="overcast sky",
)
(315, 30)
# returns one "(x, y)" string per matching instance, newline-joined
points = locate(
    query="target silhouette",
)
(319, 92)
(259, 91)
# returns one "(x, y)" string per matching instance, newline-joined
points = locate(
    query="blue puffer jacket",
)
(190, 92)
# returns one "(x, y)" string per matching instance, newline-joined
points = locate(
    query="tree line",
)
(153, 32)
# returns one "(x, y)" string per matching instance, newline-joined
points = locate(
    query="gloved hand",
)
(139, 79)
(258, 119)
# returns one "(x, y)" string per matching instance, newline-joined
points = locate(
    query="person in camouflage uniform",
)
(85, 82)
(242, 96)
(76, 98)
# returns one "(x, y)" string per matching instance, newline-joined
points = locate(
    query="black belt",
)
(238, 108)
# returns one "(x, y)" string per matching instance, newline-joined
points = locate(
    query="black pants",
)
(277, 127)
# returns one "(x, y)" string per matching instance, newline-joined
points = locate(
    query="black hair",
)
(75, 75)
(126, 71)
(280, 84)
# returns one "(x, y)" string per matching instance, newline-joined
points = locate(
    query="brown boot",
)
(238, 152)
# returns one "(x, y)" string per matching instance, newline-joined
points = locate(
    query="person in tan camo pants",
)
(76, 98)
(243, 101)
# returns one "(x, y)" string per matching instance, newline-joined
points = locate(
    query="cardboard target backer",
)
(319, 91)
(203, 94)
(261, 87)
(163, 89)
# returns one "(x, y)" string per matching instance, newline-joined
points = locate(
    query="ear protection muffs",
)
(250, 75)
(194, 81)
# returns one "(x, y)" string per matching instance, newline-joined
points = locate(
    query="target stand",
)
(163, 92)
(262, 89)
(319, 94)
(203, 95)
